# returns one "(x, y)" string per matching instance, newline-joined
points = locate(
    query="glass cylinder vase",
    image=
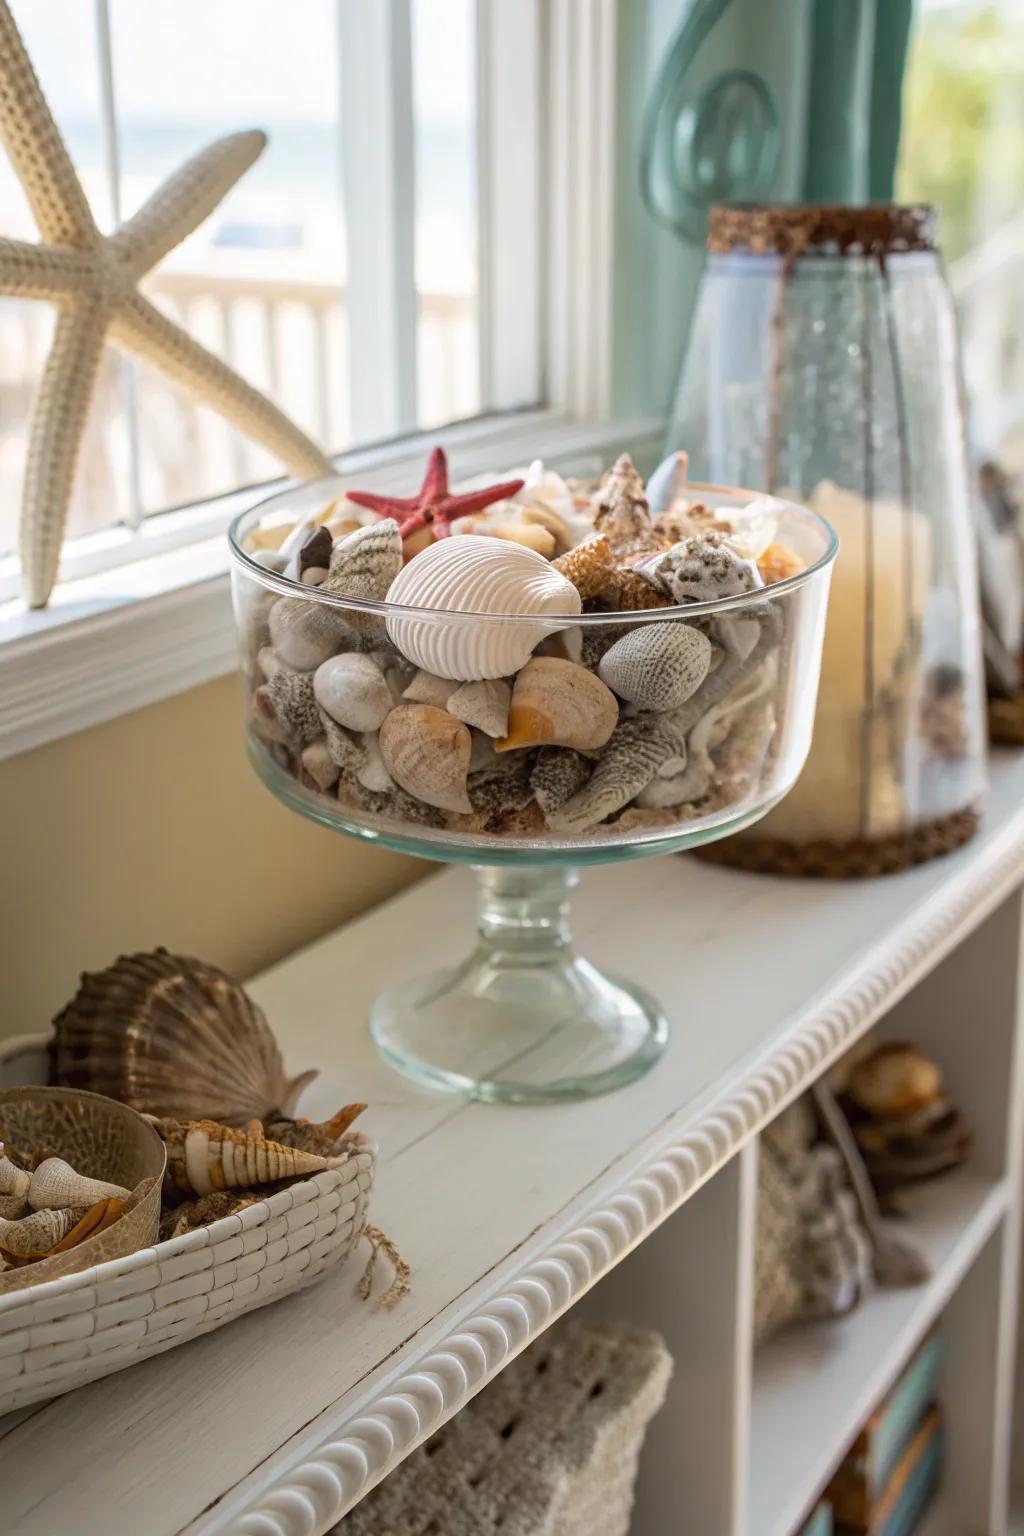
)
(823, 364)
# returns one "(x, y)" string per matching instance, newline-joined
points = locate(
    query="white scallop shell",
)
(463, 574)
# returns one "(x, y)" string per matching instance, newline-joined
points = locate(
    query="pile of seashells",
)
(534, 728)
(46, 1207)
(214, 1170)
(183, 1044)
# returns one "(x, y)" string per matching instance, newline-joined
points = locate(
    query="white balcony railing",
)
(288, 337)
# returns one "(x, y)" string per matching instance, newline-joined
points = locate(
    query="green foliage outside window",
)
(963, 131)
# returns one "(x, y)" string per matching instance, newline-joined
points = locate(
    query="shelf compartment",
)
(814, 1386)
(766, 982)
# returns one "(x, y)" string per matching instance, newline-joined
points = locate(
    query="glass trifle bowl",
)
(529, 677)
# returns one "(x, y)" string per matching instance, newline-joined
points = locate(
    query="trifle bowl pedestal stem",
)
(523, 1019)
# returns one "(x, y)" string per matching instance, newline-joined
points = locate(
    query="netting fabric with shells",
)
(539, 663)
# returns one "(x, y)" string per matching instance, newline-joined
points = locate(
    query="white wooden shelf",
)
(813, 1387)
(277, 1424)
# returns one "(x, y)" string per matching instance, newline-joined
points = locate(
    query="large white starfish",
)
(93, 279)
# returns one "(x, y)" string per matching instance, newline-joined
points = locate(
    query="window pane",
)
(260, 282)
(60, 37)
(444, 96)
(963, 149)
(263, 282)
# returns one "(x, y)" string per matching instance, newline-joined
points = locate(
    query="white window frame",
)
(143, 613)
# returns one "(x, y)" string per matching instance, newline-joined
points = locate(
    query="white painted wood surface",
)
(282, 1420)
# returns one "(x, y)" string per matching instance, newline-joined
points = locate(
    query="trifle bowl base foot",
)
(523, 1020)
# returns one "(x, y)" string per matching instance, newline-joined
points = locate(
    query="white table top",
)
(280, 1421)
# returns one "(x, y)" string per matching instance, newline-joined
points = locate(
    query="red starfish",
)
(433, 504)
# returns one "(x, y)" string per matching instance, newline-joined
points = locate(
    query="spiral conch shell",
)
(14, 1181)
(466, 575)
(38, 1234)
(203, 1156)
(175, 1038)
(55, 1186)
(45, 1232)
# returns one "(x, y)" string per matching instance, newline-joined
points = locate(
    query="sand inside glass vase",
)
(853, 784)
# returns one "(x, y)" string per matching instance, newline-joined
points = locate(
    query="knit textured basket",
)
(812, 1256)
(550, 1448)
(66, 1332)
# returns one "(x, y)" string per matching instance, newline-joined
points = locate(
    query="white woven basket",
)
(61, 1334)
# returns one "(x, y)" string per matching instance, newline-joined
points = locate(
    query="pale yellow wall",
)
(154, 830)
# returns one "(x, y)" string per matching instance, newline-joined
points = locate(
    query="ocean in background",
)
(291, 199)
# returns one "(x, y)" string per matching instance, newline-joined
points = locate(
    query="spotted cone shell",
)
(175, 1038)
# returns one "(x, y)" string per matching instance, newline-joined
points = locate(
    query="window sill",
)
(111, 642)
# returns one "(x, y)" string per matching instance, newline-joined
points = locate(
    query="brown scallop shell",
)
(175, 1038)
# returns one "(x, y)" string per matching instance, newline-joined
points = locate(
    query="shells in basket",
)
(36, 1235)
(464, 575)
(14, 1181)
(56, 1186)
(45, 1233)
(324, 1137)
(99, 1146)
(203, 1156)
(175, 1038)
